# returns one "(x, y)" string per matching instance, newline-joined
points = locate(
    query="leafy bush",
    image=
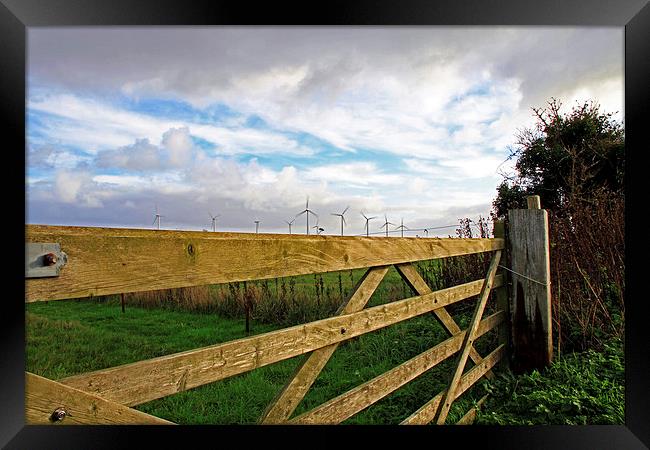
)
(577, 389)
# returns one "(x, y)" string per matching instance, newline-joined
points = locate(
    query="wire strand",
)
(524, 276)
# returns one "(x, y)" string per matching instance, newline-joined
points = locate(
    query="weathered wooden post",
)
(531, 287)
(501, 295)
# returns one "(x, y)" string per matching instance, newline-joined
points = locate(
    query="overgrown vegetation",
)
(575, 163)
(578, 389)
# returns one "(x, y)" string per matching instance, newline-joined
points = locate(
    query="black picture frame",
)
(17, 15)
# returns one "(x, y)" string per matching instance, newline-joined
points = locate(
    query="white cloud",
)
(94, 126)
(76, 187)
(179, 145)
(141, 155)
(353, 174)
(445, 101)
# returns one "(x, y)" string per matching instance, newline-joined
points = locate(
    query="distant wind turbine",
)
(342, 218)
(290, 223)
(157, 217)
(402, 227)
(257, 225)
(319, 230)
(426, 232)
(386, 224)
(368, 219)
(308, 212)
(214, 221)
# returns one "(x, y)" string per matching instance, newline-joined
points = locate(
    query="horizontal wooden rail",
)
(426, 413)
(346, 405)
(140, 382)
(43, 397)
(103, 261)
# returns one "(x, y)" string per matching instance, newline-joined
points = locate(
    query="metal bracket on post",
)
(43, 260)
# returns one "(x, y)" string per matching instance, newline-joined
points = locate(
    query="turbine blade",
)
(346, 208)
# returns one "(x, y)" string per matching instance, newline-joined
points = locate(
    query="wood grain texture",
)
(411, 276)
(450, 395)
(530, 301)
(140, 382)
(503, 298)
(294, 391)
(103, 261)
(44, 396)
(426, 413)
(346, 405)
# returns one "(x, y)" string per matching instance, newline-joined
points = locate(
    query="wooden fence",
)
(103, 261)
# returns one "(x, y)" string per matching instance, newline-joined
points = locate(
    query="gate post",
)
(528, 240)
(502, 298)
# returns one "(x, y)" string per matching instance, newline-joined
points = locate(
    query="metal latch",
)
(43, 260)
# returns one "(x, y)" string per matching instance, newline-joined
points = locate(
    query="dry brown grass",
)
(588, 271)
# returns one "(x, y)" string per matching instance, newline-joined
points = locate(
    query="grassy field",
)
(75, 336)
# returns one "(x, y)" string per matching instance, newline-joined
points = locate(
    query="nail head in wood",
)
(49, 259)
(58, 415)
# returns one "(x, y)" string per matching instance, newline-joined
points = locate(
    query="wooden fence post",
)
(531, 287)
(502, 299)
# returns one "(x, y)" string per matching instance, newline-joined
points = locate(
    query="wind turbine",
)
(290, 223)
(214, 221)
(342, 218)
(402, 227)
(157, 217)
(308, 212)
(386, 224)
(257, 225)
(368, 219)
(426, 232)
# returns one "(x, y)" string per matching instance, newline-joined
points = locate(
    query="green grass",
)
(75, 336)
(577, 389)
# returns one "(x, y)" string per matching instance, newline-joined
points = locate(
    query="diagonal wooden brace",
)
(410, 275)
(49, 402)
(450, 395)
(294, 391)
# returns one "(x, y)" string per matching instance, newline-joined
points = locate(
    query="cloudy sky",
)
(246, 122)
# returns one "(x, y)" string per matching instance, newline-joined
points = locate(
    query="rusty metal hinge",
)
(43, 260)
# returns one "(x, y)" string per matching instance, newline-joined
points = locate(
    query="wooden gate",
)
(103, 261)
